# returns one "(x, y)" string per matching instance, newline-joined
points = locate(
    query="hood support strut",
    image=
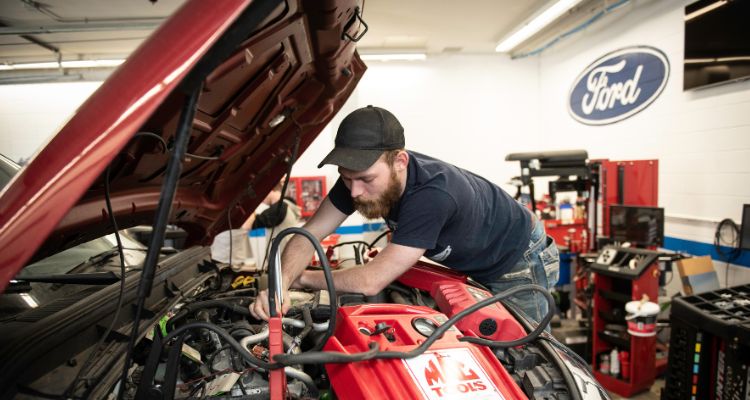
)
(164, 208)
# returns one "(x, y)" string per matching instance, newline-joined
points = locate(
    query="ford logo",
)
(618, 85)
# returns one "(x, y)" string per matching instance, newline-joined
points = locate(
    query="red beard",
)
(380, 207)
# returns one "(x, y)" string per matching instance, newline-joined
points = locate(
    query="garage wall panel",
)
(470, 110)
(701, 137)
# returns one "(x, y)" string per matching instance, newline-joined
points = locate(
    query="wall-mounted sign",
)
(618, 85)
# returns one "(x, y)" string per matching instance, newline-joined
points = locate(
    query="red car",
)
(188, 136)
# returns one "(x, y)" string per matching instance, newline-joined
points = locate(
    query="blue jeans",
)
(540, 265)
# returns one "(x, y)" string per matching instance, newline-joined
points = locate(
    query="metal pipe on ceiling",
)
(39, 42)
(65, 25)
(87, 27)
(45, 9)
(42, 78)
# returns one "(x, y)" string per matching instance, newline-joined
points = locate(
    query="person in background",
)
(435, 209)
(279, 213)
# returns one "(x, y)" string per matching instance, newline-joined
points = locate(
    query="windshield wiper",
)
(94, 278)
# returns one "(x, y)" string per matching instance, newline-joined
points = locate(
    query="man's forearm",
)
(350, 280)
(297, 255)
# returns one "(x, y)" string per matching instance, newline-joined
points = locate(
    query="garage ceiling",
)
(36, 31)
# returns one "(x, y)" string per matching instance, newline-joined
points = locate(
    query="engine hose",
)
(294, 373)
(187, 309)
(263, 334)
(275, 269)
(256, 338)
(252, 360)
(317, 357)
(317, 326)
(325, 357)
(307, 316)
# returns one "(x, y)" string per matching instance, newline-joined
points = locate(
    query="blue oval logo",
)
(618, 85)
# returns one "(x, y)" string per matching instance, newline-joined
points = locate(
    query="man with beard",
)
(435, 209)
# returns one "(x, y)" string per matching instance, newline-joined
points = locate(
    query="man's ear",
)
(401, 161)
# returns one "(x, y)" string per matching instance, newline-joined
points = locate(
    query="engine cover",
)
(452, 295)
(450, 369)
(492, 322)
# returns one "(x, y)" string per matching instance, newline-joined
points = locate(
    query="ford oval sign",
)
(618, 85)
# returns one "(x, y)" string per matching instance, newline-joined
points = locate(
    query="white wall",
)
(468, 110)
(701, 137)
(30, 114)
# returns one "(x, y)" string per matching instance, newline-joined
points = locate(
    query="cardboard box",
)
(697, 275)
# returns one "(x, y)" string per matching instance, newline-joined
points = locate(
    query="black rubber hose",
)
(307, 317)
(351, 242)
(252, 360)
(491, 343)
(326, 271)
(326, 357)
(184, 311)
(335, 357)
(374, 241)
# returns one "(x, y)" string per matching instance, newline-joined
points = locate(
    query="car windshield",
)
(49, 280)
(100, 254)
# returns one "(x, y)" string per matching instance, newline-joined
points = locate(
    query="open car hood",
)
(273, 74)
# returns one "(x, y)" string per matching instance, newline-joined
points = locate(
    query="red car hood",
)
(285, 80)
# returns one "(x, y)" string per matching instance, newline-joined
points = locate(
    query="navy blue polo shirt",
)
(464, 221)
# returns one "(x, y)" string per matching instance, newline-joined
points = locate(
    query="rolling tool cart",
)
(623, 276)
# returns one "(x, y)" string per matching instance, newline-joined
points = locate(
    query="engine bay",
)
(431, 334)
(398, 319)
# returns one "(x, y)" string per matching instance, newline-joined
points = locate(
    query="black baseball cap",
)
(362, 138)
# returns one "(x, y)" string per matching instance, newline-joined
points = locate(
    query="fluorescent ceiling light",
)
(539, 21)
(715, 60)
(394, 57)
(63, 64)
(701, 11)
(727, 59)
(699, 60)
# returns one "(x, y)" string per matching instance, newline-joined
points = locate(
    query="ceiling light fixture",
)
(701, 11)
(63, 64)
(535, 24)
(716, 60)
(394, 57)
(699, 60)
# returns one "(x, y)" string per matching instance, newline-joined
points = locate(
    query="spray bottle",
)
(614, 363)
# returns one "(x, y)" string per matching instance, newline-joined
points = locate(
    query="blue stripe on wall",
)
(350, 230)
(373, 227)
(670, 243)
(704, 249)
(342, 230)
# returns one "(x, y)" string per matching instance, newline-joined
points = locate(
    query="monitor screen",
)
(641, 226)
(745, 230)
(717, 44)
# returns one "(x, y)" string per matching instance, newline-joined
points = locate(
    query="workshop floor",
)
(653, 394)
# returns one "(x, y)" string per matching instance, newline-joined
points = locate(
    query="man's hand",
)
(259, 308)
